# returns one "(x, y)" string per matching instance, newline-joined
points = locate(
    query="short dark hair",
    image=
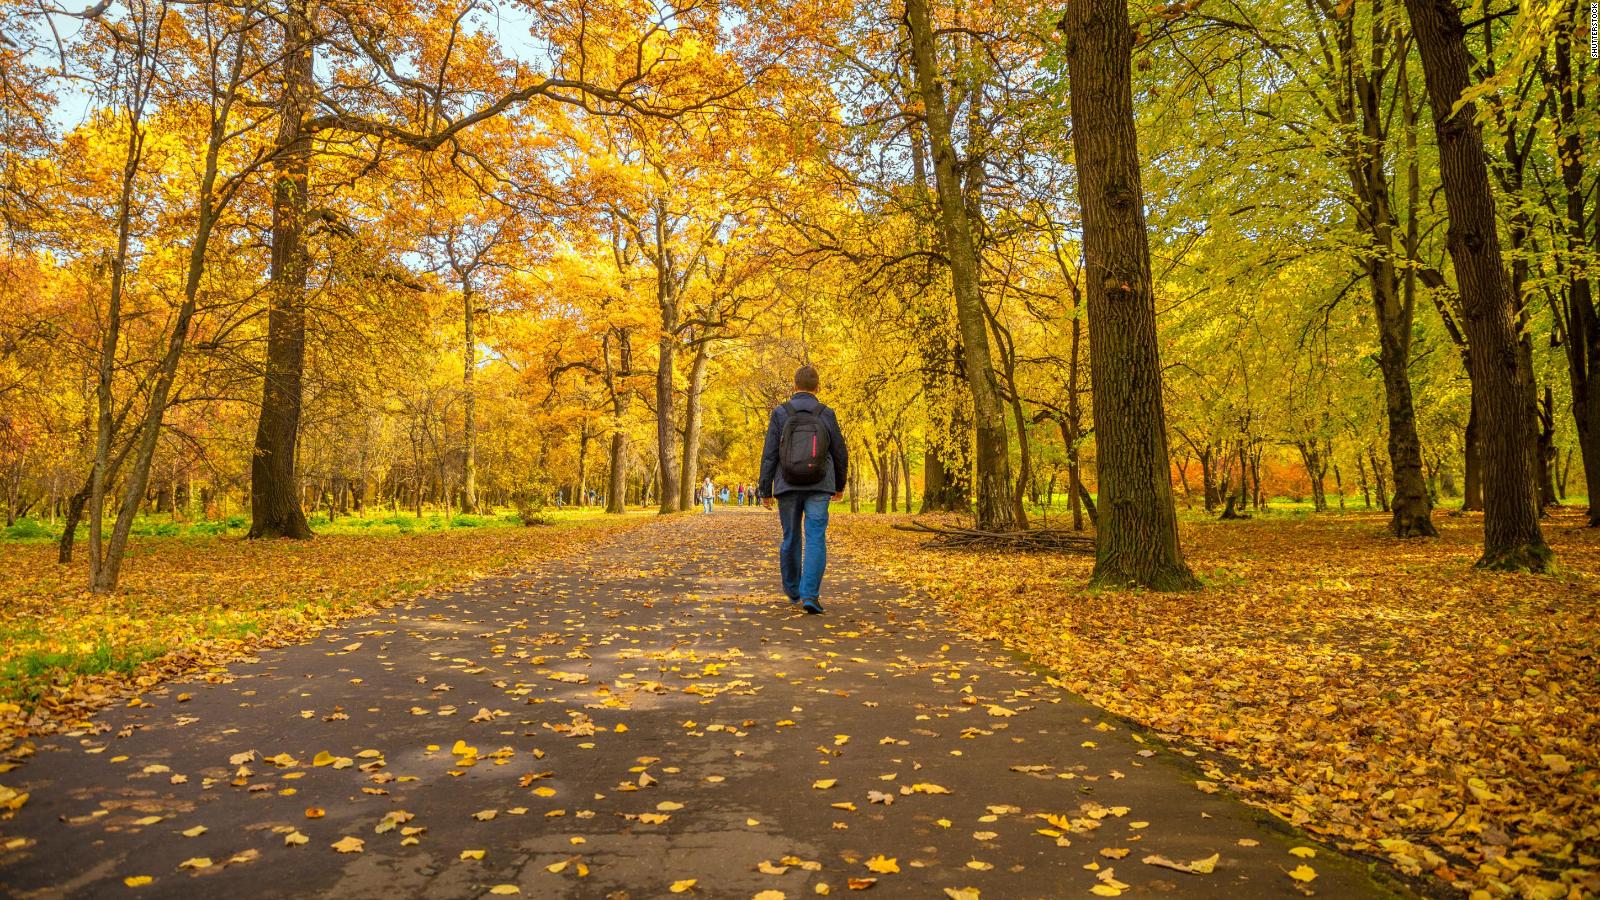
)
(805, 378)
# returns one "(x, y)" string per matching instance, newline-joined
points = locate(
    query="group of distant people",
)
(709, 492)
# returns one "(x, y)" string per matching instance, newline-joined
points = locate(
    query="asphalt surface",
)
(647, 713)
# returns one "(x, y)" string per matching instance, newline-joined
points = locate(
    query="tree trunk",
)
(1472, 479)
(1582, 343)
(905, 471)
(1547, 450)
(469, 400)
(996, 508)
(274, 503)
(617, 489)
(1501, 380)
(666, 428)
(1137, 544)
(691, 424)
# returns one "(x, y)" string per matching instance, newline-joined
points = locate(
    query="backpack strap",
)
(787, 407)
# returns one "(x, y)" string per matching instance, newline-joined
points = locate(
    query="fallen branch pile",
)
(1038, 540)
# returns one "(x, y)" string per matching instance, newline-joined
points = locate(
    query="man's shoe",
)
(793, 600)
(812, 606)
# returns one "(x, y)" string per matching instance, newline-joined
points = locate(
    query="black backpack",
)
(803, 448)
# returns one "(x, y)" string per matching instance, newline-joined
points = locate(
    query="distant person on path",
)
(708, 492)
(804, 464)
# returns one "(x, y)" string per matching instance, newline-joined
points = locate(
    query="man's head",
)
(805, 379)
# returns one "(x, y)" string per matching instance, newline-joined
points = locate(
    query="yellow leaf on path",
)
(1303, 873)
(349, 845)
(147, 820)
(472, 854)
(822, 889)
(619, 728)
(768, 867)
(505, 889)
(1105, 890)
(966, 893)
(323, 758)
(557, 868)
(544, 792)
(194, 832)
(979, 865)
(484, 815)
(1114, 852)
(860, 884)
(315, 812)
(295, 839)
(1206, 866)
(928, 789)
(137, 880)
(198, 862)
(823, 784)
(883, 865)
(770, 895)
(682, 885)
(668, 806)
(1302, 852)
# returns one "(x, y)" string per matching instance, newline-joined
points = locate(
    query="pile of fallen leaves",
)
(190, 604)
(1381, 693)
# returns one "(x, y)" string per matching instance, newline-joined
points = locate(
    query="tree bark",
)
(996, 508)
(1502, 383)
(1472, 478)
(469, 400)
(691, 423)
(666, 428)
(1582, 339)
(274, 500)
(1137, 543)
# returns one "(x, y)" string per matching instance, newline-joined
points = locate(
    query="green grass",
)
(164, 526)
(27, 675)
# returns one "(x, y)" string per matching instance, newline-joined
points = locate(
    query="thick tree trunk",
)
(469, 401)
(1582, 342)
(1411, 510)
(691, 425)
(1472, 478)
(1501, 380)
(274, 500)
(666, 428)
(933, 479)
(1137, 542)
(617, 489)
(996, 508)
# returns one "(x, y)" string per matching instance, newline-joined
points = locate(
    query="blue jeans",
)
(707, 499)
(807, 512)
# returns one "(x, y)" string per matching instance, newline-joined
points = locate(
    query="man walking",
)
(804, 464)
(708, 492)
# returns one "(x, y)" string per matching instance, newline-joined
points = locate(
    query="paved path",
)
(651, 712)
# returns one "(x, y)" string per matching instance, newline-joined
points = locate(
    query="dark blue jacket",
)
(838, 473)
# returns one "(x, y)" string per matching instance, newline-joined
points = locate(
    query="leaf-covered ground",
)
(643, 717)
(191, 602)
(1381, 693)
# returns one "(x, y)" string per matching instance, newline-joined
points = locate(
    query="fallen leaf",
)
(882, 865)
